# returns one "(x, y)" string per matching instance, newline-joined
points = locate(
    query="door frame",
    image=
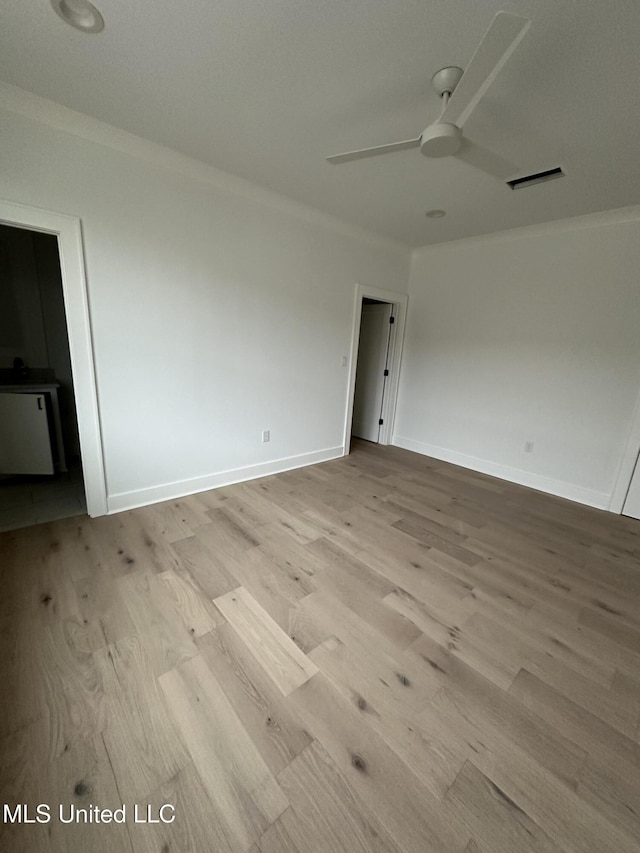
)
(627, 464)
(68, 231)
(399, 302)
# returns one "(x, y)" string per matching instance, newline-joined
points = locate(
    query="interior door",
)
(632, 502)
(25, 445)
(372, 362)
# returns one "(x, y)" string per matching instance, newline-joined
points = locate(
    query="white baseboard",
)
(168, 491)
(559, 488)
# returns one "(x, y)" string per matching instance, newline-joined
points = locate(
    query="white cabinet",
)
(25, 443)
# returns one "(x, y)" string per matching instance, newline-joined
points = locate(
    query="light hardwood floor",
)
(380, 653)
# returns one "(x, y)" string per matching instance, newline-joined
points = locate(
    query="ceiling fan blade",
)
(499, 42)
(487, 161)
(373, 152)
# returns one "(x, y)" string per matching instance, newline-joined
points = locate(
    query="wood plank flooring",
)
(379, 654)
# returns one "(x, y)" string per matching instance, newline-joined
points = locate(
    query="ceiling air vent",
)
(537, 178)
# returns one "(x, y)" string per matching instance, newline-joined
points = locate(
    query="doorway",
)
(47, 371)
(372, 369)
(376, 348)
(40, 466)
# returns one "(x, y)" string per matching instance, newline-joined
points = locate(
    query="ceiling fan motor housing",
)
(441, 140)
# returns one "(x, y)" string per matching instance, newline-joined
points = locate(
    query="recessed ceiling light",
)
(436, 214)
(80, 14)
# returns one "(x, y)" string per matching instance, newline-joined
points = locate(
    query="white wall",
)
(216, 313)
(533, 335)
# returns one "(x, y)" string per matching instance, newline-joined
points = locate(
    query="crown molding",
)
(599, 219)
(52, 114)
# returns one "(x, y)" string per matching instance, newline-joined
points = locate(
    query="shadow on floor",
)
(26, 500)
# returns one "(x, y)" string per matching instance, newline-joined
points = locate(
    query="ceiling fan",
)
(461, 92)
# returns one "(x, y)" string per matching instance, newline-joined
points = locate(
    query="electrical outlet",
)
(528, 447)
(266, 435)
(344, 361)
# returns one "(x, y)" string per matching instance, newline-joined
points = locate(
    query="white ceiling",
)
(267, 90)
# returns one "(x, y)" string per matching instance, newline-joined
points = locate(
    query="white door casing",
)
(632, 501)
(629, 465)
(68, 231)
(372, 360)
